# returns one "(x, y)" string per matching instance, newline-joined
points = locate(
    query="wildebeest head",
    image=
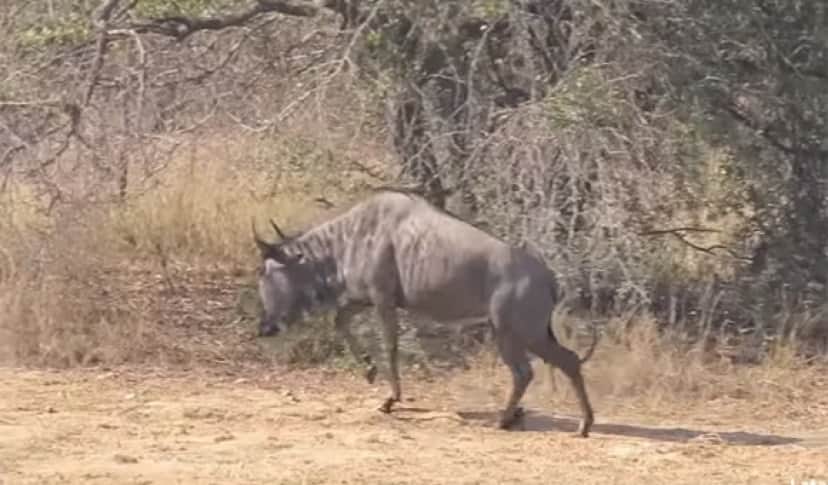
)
(283, 280)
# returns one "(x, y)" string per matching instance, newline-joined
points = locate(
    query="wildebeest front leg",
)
(342, 323)
(389, 321)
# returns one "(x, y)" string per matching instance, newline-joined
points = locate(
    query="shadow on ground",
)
(535, 421)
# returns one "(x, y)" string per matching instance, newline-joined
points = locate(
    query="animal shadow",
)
(535, 421)
(415, 414)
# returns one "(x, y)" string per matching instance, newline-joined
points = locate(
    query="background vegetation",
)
(668, 157)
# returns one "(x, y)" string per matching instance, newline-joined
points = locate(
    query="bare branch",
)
(181, 27)
(106, 9)
(658, 232)
(766, 133)
(23, 104)
(102, 23)
(371, 172)
(677, 233)
(10, 153)
(325, 203)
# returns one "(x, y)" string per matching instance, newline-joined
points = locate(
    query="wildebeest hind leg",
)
(342, 323)
(565, 359)
(514, 356)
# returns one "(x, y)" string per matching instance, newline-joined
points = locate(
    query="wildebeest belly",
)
(447, 303)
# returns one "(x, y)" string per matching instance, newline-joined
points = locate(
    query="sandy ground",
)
(131, 427)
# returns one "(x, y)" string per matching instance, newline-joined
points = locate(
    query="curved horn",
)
(264, 246)
(278, 231)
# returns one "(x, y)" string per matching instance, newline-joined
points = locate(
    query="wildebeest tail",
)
(551, 332)
(553, 293)
(592, 346)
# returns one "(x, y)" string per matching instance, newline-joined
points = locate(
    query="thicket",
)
(668, 157)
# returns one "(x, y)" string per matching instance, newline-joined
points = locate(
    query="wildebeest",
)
(396, 250)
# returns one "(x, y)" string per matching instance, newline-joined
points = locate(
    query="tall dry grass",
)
(73, 283)
(202, 206)
(636, 361)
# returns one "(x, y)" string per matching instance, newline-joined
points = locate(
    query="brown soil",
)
(257, 426)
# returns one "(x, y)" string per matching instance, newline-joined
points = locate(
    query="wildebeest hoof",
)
(506, 421)
(386, 406)
(371, 374)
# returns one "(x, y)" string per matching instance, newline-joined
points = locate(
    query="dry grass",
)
(636, 361)
(202, 207)
(167, 278)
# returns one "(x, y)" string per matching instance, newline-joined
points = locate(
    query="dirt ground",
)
(250, 426)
